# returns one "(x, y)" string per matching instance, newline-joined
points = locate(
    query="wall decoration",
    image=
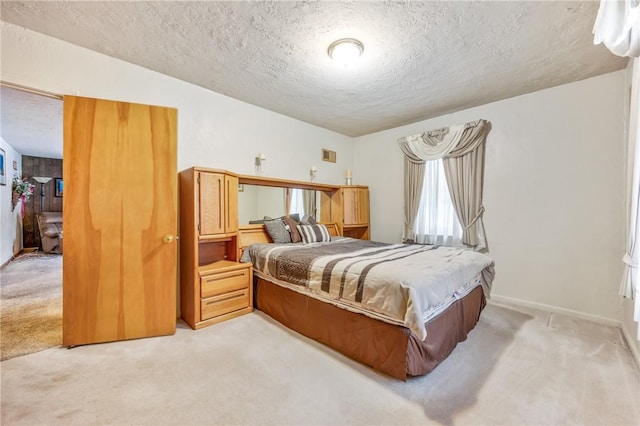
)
(3, 167)
(59, 187)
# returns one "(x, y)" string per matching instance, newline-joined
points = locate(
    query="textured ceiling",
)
(31, 124)
(421, 59)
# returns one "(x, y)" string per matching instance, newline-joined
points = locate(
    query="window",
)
(437, 221)
(297, 202)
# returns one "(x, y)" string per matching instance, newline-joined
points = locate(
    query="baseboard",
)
(635, 352)
(495, 299)
(7, 262)
(23, 251)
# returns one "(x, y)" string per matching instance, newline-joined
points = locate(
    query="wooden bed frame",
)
(389, 348)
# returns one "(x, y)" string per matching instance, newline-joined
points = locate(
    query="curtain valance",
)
(453, 141)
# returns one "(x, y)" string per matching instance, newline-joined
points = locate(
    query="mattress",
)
(400, 284)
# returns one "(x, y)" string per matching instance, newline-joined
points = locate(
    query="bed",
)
(398, 308)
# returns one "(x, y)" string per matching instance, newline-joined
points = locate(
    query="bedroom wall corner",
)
(553, 192)
(10, 219)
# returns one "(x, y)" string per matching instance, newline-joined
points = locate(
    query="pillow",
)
(278, 231)
(257, 221)
(293, 230)
(51, 230)
(295, 216)
(314, 233)
(308, 220)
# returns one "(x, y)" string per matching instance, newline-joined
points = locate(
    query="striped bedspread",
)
(398, 283)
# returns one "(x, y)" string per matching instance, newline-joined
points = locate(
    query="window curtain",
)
(301, 201)
(295, 202)
(630, 285)
(413, 183)
(464, 169)
(437, 220)
(617, 26)
(309, 202)
(462, 148)
(417, 149)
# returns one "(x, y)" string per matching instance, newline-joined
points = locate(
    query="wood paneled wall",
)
(46, 167)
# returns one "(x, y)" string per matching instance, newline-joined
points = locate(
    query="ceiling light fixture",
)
(345, 51)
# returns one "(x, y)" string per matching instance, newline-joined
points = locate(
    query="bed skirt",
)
(389, 348)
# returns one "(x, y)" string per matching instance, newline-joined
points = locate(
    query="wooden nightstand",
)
(213, 286)
(226, 291)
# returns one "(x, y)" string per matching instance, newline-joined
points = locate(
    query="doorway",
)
(31, 278)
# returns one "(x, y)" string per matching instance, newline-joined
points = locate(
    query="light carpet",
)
(30, 304)
(517, 367)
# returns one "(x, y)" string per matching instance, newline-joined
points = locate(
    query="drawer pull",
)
(213, 302)
(210, 278)
(237, 274)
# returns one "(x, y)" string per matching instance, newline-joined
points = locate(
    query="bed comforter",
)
(398, 283)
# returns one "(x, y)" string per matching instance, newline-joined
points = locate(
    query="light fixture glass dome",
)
(41, 179)
(345, 51)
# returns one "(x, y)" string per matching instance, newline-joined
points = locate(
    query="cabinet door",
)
(212, 203)
(231, 201)
(350, 206)
(363, 206)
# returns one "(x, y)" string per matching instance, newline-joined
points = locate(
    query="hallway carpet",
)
(30, 304)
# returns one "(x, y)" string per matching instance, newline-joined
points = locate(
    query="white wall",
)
(10, 219)
(553, 192)
(213, 130)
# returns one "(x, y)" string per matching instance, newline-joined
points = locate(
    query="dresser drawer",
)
(224, 303)
(225, 282)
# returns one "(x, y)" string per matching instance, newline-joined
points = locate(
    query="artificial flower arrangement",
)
(22, 190)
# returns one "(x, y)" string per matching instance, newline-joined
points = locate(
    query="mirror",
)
(257, 201)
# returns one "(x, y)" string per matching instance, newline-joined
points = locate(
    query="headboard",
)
(253, 234)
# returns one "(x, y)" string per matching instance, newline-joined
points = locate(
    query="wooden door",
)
(211, 203)
(120, 221)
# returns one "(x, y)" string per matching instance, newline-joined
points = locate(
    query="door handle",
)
(169, 238)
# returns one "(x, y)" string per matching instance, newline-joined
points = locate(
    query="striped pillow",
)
(314, 233)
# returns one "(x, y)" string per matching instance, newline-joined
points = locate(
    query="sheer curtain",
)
(296, 203)
(437, 221)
